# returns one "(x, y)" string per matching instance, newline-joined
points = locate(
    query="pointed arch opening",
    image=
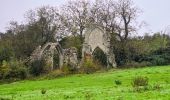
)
(56, 60)
(99, 57)
(53, 54)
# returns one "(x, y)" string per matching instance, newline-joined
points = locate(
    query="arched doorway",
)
(99, 57)
(53, 54)
(56, 60)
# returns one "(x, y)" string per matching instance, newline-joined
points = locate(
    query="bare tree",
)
(103, 14)
(126, 14)
(75, 14)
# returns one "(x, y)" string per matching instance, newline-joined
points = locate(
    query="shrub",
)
(157, 87)
(13, 70)
(4, 69)
(55, 74)
(43, 91)
(140, 81)
(17, 70)
(159, 60)
(118, 82)
(36, 67)
(160, 56)
(5, 54)
(88, 66)
(68, 69)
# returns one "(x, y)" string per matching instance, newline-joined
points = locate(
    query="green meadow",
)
(97, 86)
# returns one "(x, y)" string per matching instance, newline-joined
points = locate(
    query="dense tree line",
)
(67, 25)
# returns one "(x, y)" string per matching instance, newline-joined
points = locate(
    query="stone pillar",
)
(61, 60)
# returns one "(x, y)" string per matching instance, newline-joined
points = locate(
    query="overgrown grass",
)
(98, 86)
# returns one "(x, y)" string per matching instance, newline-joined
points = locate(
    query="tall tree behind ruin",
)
(103, 14)
(126, 13)
(41, 27)
(117, 18)
(44, 21)
(76, 17)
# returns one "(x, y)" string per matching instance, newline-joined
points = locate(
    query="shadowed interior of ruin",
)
(100, 57)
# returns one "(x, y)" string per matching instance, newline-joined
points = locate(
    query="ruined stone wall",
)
(46, 52)
(70, 57)
(96, 37)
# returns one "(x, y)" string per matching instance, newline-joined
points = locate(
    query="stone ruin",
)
(70, 57)
(95, 37)
(66, 56)
(47, 52)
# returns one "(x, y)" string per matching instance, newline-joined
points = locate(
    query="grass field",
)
(98, 86)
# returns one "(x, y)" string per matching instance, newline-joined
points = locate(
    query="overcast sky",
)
(156, 13)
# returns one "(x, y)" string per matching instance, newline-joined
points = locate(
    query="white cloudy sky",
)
(155, 12)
